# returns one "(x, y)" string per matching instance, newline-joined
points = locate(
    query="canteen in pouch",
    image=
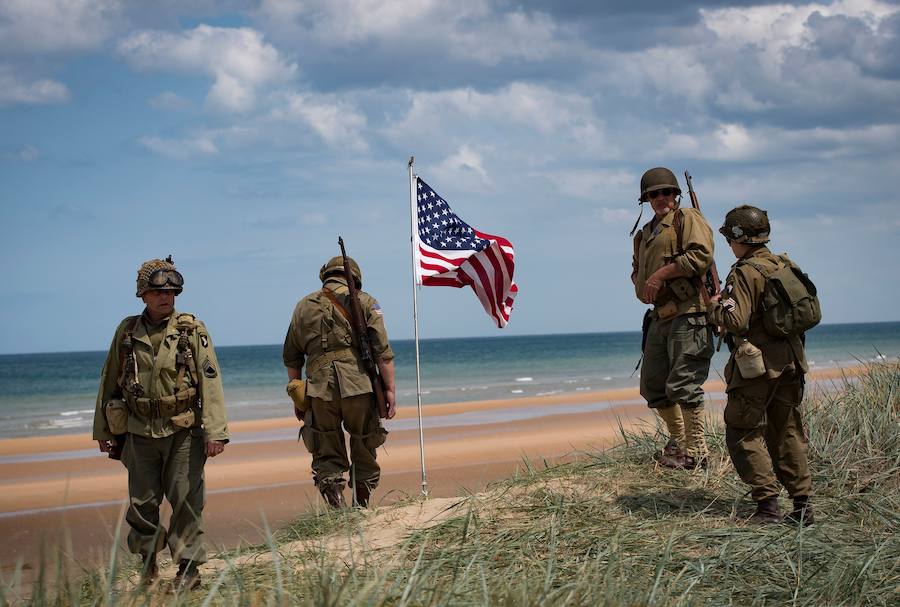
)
(749, 360)
(296, 389)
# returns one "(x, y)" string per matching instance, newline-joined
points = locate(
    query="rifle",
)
(711, 284)
(711, 278)
(362, 334)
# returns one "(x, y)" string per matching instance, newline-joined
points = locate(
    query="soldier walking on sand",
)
(765, 376)
(337, 388)
(161, 410)
(671, 252)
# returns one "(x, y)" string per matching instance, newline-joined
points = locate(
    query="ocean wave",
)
(81, 412)
(523, 379)
(517, 391)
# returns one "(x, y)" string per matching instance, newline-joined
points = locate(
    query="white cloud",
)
(25, 153)
(180, 149)
(469, 29)
(336, 121)
(521, 105)
(465, 169)
(238, 59)
(314, 219)
(593, 184)
(16, 90)
(44, 26)
(169, 101)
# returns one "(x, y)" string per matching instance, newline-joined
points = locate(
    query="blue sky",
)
(244, 137)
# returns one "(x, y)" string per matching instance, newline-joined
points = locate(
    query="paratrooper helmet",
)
(335, 265)
(657, 179)
(746, 225)
(159, 275)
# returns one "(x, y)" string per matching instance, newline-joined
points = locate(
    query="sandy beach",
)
(60, 493)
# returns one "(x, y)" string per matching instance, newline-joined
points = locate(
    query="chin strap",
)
(636, 221)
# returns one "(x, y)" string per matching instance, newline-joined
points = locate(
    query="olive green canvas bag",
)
(790, 305)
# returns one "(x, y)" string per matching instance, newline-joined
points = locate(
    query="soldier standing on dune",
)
(161, 410)
(338, 390)
(671, 251)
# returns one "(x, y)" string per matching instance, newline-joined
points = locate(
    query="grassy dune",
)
(604, 528)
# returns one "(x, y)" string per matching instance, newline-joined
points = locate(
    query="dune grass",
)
(606, 528)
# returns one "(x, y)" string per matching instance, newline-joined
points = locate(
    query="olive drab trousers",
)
(170, 467)
(324, 438)
(766, 440)
(676, 363)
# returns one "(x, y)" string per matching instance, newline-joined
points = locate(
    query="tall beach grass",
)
(604, 528)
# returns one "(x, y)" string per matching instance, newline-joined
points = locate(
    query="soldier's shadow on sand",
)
(653, 504)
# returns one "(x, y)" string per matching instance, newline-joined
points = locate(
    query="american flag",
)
(451, 253)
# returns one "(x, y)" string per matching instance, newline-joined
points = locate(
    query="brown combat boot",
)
(766, 512)
(802, 514)
(149, 569)
(692, 463)
(362, 495)
(187, 578)
(333, 493)
(672, 456)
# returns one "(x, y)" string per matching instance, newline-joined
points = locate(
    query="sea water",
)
(55, 393)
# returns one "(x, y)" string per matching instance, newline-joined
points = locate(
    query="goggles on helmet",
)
(162, 278)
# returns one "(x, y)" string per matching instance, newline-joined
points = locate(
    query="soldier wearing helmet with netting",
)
(337, 390)
(671, 252)
(161, 410)
(765, 376)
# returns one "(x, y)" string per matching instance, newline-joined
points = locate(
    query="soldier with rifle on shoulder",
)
(338, 334)
(672, 252)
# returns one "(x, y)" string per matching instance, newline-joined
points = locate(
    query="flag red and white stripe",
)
(451, 253)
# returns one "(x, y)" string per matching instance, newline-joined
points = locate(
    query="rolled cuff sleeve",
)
(697, 241)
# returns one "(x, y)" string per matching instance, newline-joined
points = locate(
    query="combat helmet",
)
(335, 265)
(658, 179)
(159, 275)
(746, 225)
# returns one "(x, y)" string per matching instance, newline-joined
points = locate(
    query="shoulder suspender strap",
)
(678, 222)
(331, 296)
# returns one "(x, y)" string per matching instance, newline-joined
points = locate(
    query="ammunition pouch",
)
(184, 420)
(682, 289)
(166, 406)
(116, 416)
(667, 311)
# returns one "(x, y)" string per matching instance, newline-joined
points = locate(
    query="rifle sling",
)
(340, 308)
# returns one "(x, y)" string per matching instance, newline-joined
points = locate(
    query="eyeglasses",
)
(161, 278)
(663, 192)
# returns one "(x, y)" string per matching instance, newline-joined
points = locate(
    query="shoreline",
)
(81, 440)
(46, 502)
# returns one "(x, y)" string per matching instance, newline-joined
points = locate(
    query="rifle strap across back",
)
(340, 307)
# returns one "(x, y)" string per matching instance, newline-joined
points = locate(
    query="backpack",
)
(789, 302)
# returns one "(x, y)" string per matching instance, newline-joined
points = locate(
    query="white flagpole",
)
(413, 224)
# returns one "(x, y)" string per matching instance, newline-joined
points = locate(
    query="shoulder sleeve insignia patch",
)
(208, 369)
(204, 341)
(376, 307)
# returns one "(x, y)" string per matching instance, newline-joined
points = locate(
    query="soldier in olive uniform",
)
(161, 409)
(763, 427)
(671, 252)
(338, 389)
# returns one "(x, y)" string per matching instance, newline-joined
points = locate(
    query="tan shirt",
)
(317, 328)
(657, 246)
(740, 312)
(157, 373)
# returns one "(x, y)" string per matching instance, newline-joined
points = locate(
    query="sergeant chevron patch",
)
(208, 369)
